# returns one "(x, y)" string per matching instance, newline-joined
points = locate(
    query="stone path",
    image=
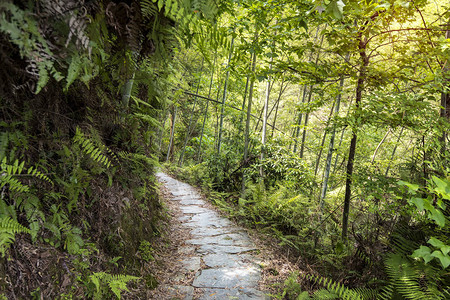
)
(218, 251)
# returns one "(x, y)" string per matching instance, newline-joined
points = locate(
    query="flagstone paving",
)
(218, 251)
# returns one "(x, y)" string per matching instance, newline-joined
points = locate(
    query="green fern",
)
(116, 283)
(88, 147)
(8, 229)
(336, 290)
(9, 171)
(410, 280)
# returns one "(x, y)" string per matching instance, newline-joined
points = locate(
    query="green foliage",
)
(279, 164)
(8, 230)
(336, 290)
(90, 149)
(146, 251)
(410, 280)
(10, 171)
(105, 283)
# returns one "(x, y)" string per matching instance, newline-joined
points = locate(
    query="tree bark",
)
(319, 156)
(188, 132)
(172, 131)
(224, 97)
(352, 150)
(206, 111)
(264, 127)
(249, 114)
(326, 175)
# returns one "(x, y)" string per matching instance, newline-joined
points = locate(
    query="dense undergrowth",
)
(81, 87)
(398, 248)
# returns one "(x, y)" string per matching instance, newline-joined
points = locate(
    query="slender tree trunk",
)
(206, 110)
(305, 88)
(172, 132)
(241, 117)
(302, 147)
(319, 156)
(393, 151)
(379, 145)
(162, 133)
(352, 150)
(282, 89)
(127, 91)
(216, 128)
(299, 122)
(264, 127)
(224, 97)
(261, 112)
(326, 174)
(249, 115)
(188, 132)
(342, 136)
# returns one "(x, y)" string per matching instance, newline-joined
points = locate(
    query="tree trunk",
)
(188, 132)
(393, 152)
(249, 114)
(319, 156)
(299, 122)
(224, 97)
(172, 131)
(264, 127)
(326, 175)
(342, 136)
(352, 150)
(206, 111)
(282, 89)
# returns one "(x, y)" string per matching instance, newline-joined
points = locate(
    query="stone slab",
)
(208, 248)
(211, 231)
(231, 278)
(222, 260)
(179, 292)
(191, 263)
(193, 209)
(227, 294)
(236, 239)
(189, 201)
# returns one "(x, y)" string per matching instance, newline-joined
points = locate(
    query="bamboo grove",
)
(321, 123)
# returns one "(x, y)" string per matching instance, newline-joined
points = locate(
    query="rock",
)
(225, 294)
(192, 209)
(230, 278)
(223, 249)
(180, 292)
(235, 239)
(191, 263)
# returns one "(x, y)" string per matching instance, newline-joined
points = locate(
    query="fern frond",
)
(116, 283)
(409, 280)
(336, 290)
(8, 171)
(90, 149)
(8, 229)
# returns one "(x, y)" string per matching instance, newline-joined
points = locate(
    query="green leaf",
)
(442, 187)
(418, 202)
(435, 242)
(444, 259)
(336, 9)
(423, 252)
(413, 188)
(437, 216)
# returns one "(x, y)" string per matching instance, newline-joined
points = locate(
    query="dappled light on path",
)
(222, 259)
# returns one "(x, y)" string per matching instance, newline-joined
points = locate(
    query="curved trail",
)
(220, 252)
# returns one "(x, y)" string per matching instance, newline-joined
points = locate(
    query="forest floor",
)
(207, 256)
